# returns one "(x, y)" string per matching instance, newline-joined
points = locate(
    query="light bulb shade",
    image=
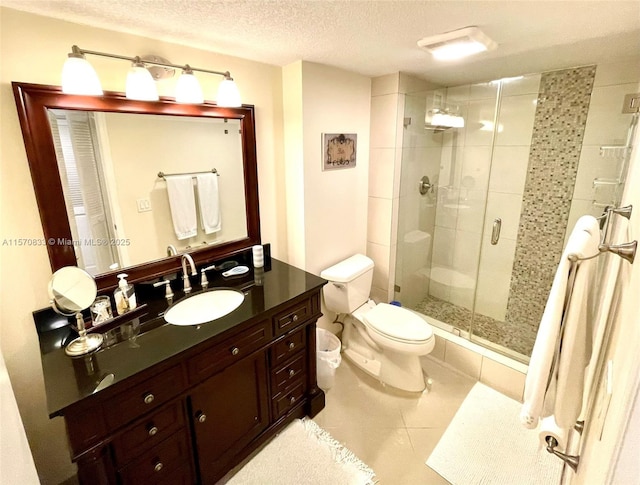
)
(228, 94)
(79, 77)
(188, 90)
(140, 84)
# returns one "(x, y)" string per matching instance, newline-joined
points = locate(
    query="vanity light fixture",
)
(188, 90)
(79, 77)
(457, 44)
(140, 83)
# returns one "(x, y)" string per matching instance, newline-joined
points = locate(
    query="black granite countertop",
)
(147, 339)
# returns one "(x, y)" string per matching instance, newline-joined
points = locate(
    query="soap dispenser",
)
(124, 295)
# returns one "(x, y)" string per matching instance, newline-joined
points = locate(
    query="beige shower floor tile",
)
(392, 431)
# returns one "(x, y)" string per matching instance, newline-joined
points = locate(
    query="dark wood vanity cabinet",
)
(193, 418)
(228, 411)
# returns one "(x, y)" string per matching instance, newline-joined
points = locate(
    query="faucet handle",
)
(204, 282)
(168, 293)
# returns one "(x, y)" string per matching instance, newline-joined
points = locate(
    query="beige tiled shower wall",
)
(606, 126)
(388, 95)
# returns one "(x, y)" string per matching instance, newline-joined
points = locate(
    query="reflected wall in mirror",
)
(108, 165)
(95, 161)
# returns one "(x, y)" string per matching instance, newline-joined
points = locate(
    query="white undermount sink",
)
(204, 307)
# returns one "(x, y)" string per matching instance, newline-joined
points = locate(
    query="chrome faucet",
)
(185, 276)
(171, 250)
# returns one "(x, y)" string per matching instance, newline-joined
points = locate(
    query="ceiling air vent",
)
(457, 44)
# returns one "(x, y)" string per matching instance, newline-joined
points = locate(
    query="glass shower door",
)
(441, 229)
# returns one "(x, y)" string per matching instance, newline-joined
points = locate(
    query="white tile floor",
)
(392, 431)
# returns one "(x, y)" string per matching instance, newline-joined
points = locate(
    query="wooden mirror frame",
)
(33, 100)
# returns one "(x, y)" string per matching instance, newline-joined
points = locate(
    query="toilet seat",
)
(398, 324)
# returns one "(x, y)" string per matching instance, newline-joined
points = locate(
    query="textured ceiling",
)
(374, 37)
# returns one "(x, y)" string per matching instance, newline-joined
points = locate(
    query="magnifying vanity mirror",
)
(72, 290)
(95, 163)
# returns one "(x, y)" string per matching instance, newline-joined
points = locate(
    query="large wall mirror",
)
(96, 165)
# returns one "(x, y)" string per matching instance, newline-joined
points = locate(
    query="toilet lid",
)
(398, 323)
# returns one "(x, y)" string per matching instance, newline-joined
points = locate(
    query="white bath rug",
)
(486, 444)
(304, 454)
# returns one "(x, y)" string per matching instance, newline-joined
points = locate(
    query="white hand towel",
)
(209, 202)
(183, 205)
(550, 389)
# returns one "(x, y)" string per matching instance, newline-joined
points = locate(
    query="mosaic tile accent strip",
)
(560, 119)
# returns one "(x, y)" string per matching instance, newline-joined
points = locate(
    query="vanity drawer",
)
(161, 463)
(217, 357)
(288, 400)
(288, 346)
(148, 432)
(292, 317)
(287, 375)
(130, 404)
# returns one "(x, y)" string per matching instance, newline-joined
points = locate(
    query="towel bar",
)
(163, 175)
(626, 251)
(571, 460)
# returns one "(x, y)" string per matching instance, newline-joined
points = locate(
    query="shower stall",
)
(493, 177)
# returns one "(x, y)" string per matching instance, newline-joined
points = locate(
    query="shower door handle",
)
(495, 233)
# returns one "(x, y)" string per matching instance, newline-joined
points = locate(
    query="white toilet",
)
(384, 340)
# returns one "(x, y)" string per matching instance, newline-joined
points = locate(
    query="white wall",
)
(327, 209)
(33, 49)
(605, 427)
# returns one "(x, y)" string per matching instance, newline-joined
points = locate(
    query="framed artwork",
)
(339, 150)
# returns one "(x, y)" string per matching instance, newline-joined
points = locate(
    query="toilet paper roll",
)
(549, 427)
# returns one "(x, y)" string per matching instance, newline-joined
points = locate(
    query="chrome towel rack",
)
(626, 251)
(163, 175)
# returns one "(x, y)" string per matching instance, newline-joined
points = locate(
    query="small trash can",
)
(328, 358)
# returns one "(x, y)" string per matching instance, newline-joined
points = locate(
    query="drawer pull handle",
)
(294, 318)
(291, 372)
(148, 398)
(158, 466)
(235, 351)
(201, 417)
(153, 431)
(292, 399)
(291, 345)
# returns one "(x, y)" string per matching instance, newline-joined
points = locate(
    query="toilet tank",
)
(349, 283)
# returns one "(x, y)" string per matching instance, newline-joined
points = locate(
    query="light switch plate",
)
(144, 205)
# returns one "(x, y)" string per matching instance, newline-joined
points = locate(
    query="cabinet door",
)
(228, 411)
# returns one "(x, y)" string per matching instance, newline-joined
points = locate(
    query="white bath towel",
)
(183, 205)
(562, 350)
(209, 202)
